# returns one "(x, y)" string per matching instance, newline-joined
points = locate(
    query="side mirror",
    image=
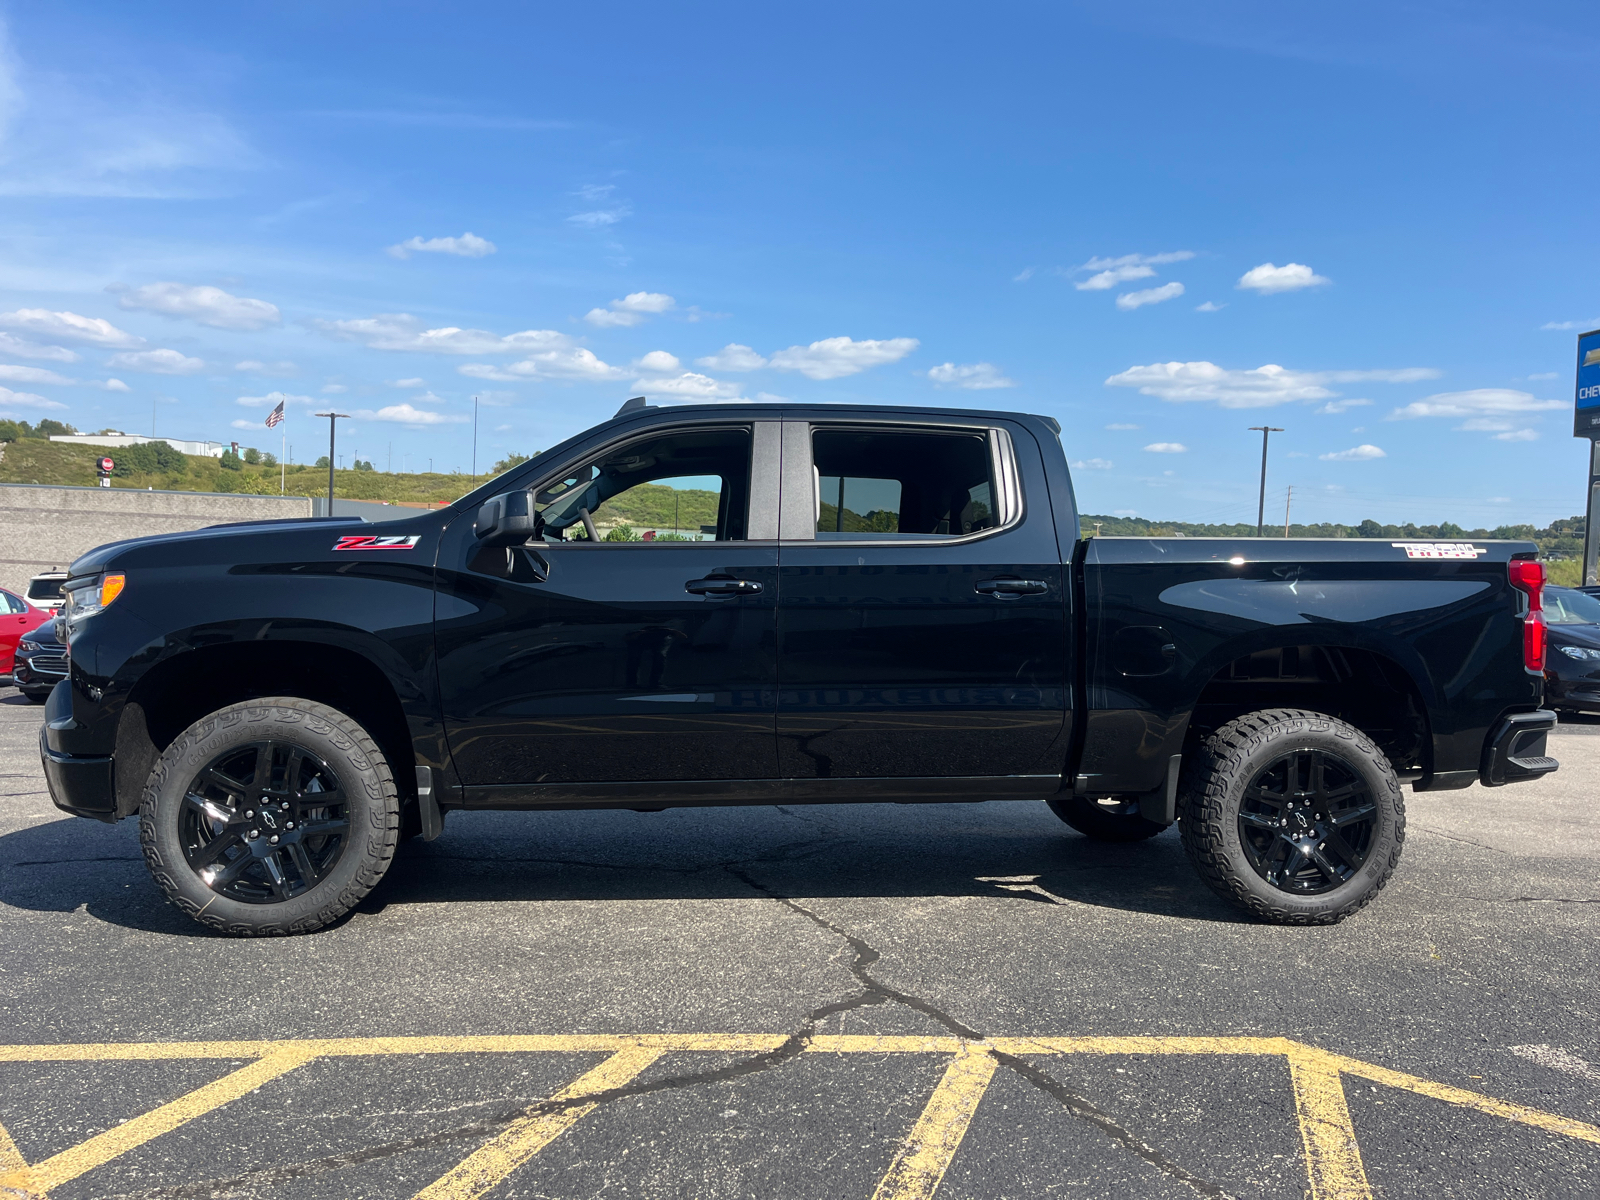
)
(508, 519)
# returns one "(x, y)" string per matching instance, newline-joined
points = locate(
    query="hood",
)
(204, 543)
(1574, 635)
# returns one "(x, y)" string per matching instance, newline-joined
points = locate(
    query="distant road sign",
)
(1586, 413)
(107, 466)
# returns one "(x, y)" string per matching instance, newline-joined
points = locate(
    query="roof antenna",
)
(633, 405)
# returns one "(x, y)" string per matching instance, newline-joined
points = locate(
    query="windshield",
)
(44, 589)
(1567, 606)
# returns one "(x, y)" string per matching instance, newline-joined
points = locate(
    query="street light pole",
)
(1261, 508)
(333, 419)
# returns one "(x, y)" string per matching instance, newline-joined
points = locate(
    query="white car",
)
(44, 591)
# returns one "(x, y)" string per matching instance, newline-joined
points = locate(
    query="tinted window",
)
(13, 603)
(1567, 606)
(902, 484)
(44, 589)
(686, 486)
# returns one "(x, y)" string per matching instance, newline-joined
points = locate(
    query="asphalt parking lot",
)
(878, 1001)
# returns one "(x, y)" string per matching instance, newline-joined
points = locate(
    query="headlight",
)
(85, 599)
(25, 644)
(1581, 653)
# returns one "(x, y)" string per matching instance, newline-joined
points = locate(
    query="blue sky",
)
(1161, 223)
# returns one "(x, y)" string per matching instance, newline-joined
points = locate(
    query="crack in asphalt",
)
(61, 862)
(1537, 899)
(873, 992)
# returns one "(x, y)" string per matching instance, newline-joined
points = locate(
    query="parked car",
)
(44, 590)
(1572, 668)
(17, 617)
(41, 662)
(894, 605)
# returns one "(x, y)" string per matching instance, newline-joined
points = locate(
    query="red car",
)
(17, 617)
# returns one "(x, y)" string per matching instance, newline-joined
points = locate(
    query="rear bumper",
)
(1515, 750)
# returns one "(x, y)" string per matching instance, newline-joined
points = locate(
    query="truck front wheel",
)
(270, 817)
(1293, 815)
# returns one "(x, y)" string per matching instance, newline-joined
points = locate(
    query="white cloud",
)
(631, 309)
(689, 386)
(10, 399)
(157, 362)
(1291, 277)
(1543, 375)
(468, 245)
(1259, 387)
(561, 362)
(732, 357)
(68, 326)
(207, 305)
(1209, 306)
(1167, 448)
(1121, 425)
(1486, 425)
(273, 399)
(975, 377)
(1517, 435)
(32, 375)
(405, 414)
(334, 389)
(1476, 403)
(1129, 301)
(1124, 512)
(402, 331)
(600, 218)
(659, 360)
(1092, 464)
(407, 383)
(495, 399)
(1112, 271)
(833, 358)
(1338, 406)
(1592, 323)
(243, 423)
(116, 385)
(255, 366)
(1023, 275)
(1359, 453)
(16, 347)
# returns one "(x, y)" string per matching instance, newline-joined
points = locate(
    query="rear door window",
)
(896, 485)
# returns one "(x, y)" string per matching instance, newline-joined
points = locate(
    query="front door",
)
(635, 641)
(923, 625)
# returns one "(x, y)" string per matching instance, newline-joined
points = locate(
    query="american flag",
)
(275, 417)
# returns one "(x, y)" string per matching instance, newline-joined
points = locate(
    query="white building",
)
(211, 449)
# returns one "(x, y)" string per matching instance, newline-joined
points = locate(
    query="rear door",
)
(922, 629)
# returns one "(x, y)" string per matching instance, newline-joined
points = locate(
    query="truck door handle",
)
(722, 585)
(1006, 589)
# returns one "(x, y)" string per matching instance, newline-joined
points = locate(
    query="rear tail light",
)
(1527, 576)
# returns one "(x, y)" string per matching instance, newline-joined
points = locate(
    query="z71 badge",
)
(367, 541)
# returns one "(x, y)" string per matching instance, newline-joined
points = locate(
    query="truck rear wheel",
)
(1107, 820)
(1293, 815)
(270, 817)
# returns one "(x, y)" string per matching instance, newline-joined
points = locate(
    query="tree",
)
(509, 461)
(10, 431)
(621, 533)
(268, 459)
(230, 461)
(252, 456)
(48, 428)
(148, 458)
(323, 462)
(363, 466)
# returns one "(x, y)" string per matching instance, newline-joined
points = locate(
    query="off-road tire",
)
(1103, 825)
(371, 799)
(1211, 789)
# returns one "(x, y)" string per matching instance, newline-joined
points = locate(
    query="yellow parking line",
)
(1333, 1160)
(10, 1157)
(37, 1180)
(1476, 1100)
(921, 1164)
(521, 1140)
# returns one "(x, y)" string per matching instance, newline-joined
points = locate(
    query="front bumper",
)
(80, 784)
(1515, 750)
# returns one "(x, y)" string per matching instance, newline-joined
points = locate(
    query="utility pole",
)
(1261, 507)
(1287, 500)
(333, 420)
(474, 441)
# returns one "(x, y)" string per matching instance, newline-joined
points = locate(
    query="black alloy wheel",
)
(270, 817)
(264, 822)
(1306, 822)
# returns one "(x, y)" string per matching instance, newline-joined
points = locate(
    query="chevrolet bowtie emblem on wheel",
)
(367, 541)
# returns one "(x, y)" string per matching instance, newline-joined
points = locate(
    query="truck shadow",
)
(1007, 852)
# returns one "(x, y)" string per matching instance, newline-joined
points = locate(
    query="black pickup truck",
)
(892, 604)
